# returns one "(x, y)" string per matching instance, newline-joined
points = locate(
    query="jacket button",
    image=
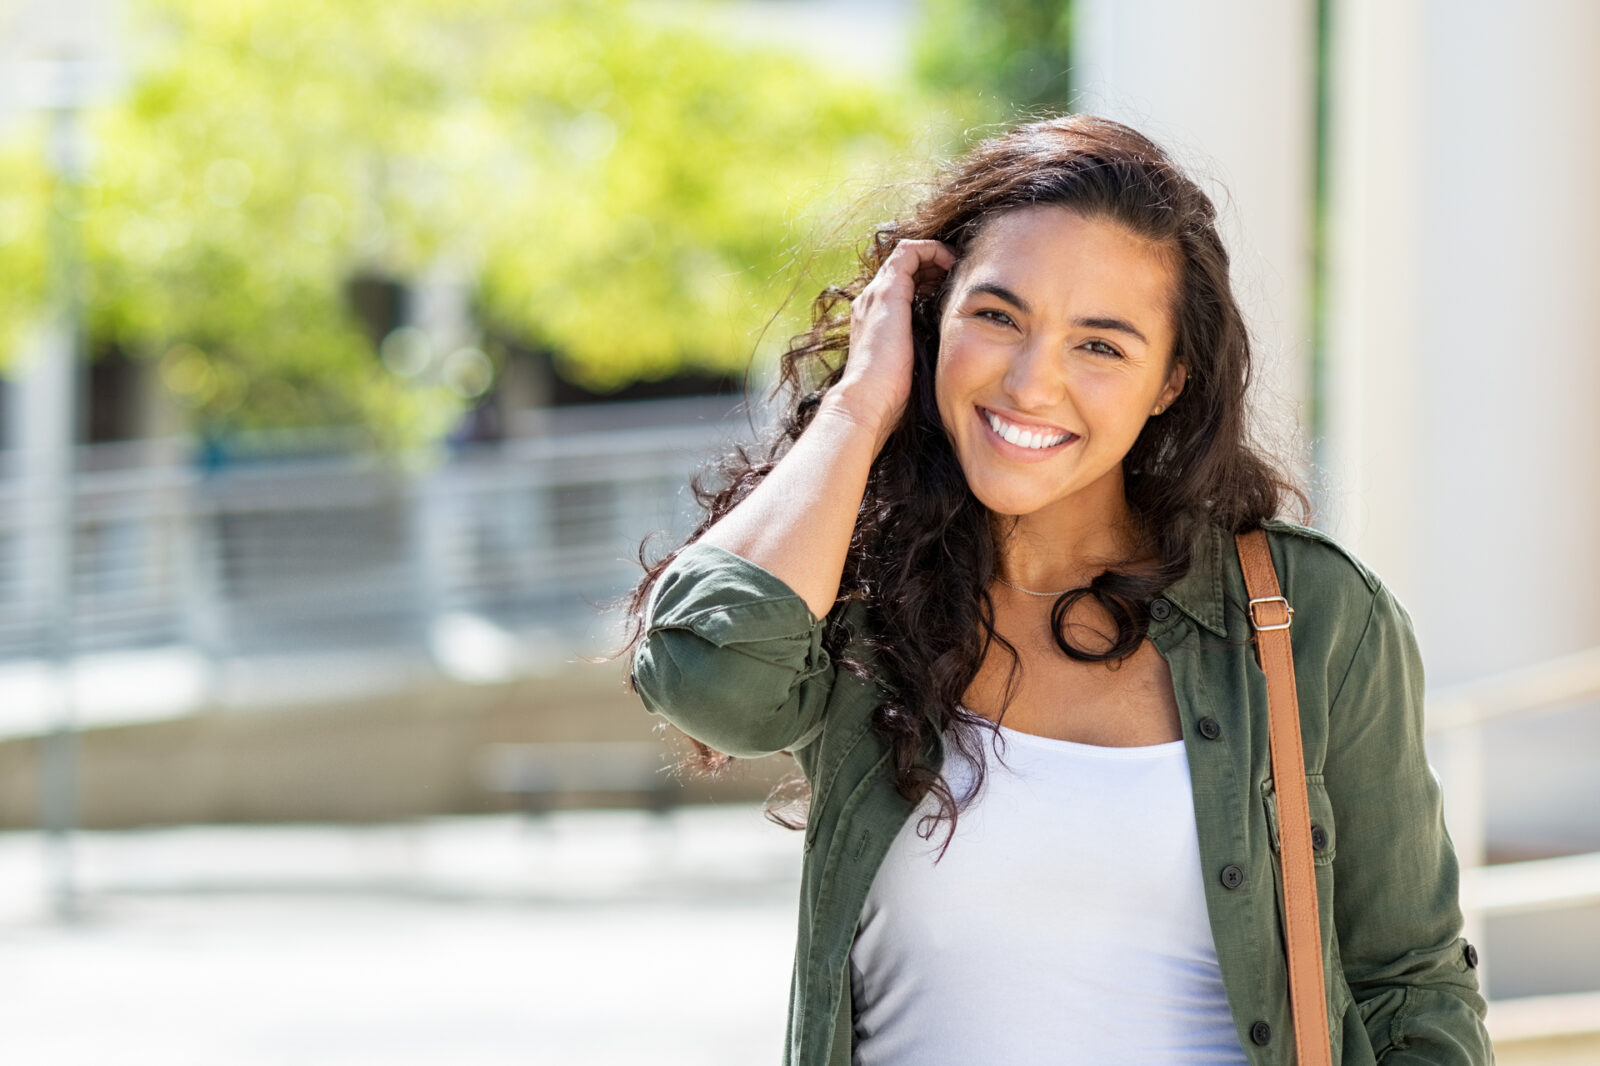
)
(1232, 876)
(1472, 956)
(1261, 1034)
(1319, 838)
(1160, 610)
(1209, 728)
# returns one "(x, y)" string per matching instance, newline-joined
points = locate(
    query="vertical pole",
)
(58, 751)
(1375, 390)
(199, 579)
(439, 306)
(430, 504)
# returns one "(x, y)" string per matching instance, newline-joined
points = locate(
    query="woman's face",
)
(1057, 334)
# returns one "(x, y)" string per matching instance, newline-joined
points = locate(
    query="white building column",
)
(1374, 437)
(1229, 87)
(1465, 312)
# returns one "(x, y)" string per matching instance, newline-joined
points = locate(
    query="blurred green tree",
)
(620, 189)
(25, 215)
(996, 59)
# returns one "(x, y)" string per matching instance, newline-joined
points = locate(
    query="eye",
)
(1102, 348)
(999, 318)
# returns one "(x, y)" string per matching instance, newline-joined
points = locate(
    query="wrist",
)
(870, 419)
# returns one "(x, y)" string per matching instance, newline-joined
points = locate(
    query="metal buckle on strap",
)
(1256, 622)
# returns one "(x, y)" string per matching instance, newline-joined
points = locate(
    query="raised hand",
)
(877, 375)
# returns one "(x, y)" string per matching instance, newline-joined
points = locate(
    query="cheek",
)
(962, 367)
(1115, 412)
(951, 376)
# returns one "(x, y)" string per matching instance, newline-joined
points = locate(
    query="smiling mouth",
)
(1025, 437)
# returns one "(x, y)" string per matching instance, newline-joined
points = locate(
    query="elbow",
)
(731, 709)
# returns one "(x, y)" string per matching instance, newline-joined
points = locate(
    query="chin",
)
(1001, 501)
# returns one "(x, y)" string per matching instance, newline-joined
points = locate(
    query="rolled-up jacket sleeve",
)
(731, 655)
(1396, 879)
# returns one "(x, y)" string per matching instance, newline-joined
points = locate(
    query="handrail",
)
(1456, 719)
(1517, 692)
(1533, 885)
(263, 554)
(1543, 1017)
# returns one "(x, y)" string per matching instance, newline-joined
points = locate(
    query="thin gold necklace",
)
(1030, 592)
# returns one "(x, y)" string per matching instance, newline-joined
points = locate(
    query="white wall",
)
(1467, 313)
(1228, 87)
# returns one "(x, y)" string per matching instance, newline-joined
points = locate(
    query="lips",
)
(1035, 438)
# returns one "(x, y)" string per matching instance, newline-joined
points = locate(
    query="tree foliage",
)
(624, 191)
(1000, 57)
(26, 211)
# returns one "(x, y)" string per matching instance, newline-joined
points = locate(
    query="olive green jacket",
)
(734, 657)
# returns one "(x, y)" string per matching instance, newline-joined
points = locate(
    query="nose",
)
(1035, 380)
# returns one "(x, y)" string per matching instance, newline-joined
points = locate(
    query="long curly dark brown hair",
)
(924, 549)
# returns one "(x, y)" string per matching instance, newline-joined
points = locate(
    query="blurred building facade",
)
(1448, 410)
(1418, 250)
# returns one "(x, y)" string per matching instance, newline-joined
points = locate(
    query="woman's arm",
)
(732, 646)
(797, 522)
(1396, 879)
(732, 656)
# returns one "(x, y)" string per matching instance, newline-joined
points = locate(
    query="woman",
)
(985, 580)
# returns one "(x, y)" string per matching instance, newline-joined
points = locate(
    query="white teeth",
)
(1024, 438)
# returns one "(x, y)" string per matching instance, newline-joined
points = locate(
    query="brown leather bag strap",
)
(1270, 615)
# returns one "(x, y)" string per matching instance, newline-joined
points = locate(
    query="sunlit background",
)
(352, 349)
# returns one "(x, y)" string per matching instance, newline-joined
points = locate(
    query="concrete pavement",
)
(593, 938)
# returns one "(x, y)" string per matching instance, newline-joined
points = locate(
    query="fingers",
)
(929, 277)
(921, 258)
(919, 265)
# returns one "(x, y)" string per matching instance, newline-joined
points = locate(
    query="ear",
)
(1176, 380)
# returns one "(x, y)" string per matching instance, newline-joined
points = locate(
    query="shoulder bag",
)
(1270, 615)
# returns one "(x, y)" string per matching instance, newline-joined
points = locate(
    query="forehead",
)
(1052, 254)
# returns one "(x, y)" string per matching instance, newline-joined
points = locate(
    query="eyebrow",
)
(1105, 322)
(1114, 325)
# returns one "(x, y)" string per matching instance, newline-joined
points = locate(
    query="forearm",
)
(798, 521)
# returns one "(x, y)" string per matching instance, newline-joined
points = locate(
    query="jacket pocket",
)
(1321, 819)
(1348, 1033)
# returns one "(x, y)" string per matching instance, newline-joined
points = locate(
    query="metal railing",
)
(279, 554)
(1457, 718)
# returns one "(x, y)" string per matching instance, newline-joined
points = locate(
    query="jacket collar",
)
(1198, 593)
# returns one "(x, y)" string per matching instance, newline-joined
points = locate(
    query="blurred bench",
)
(551, 775)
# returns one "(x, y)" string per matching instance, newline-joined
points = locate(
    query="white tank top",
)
(1065, 924)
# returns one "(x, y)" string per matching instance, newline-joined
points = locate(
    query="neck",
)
(1068, 543)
